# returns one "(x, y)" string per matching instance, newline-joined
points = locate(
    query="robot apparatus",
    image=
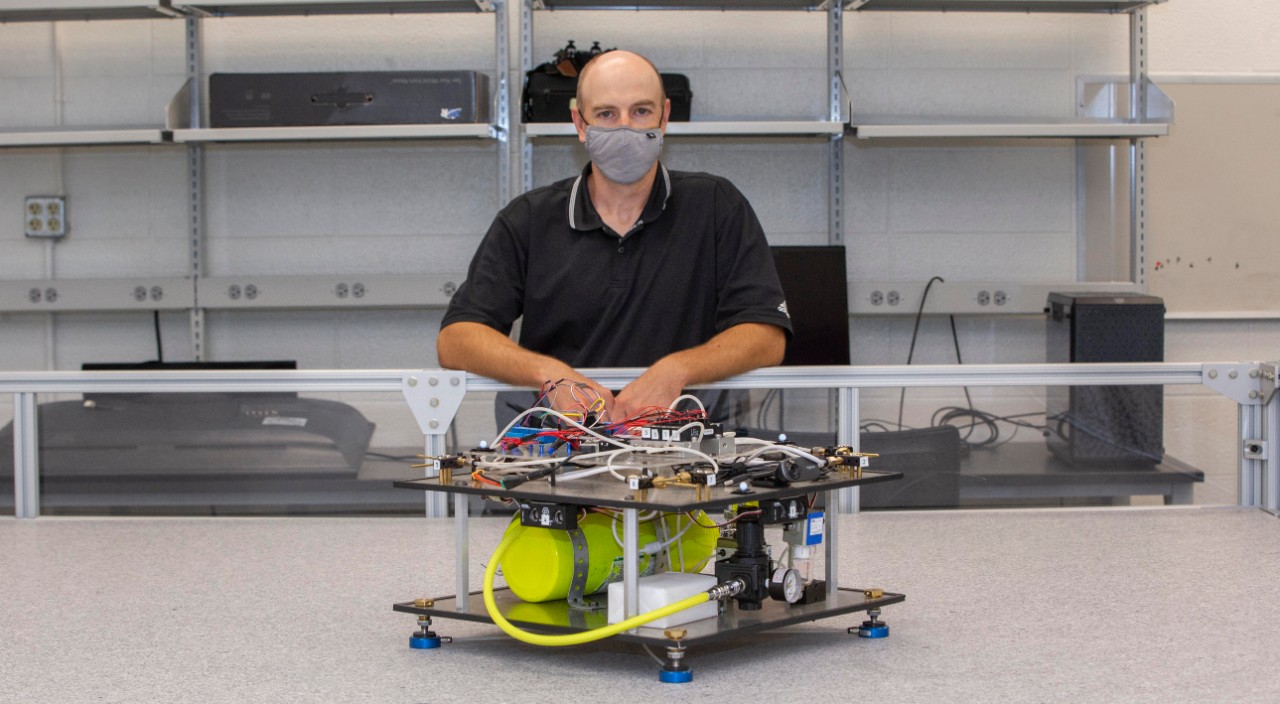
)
(669, 471)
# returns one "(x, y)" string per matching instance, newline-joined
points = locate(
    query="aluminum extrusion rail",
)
(861, 377)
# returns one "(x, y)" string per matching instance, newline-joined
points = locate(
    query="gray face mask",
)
(623, 154)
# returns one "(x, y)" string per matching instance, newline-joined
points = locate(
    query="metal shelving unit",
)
(1071, 6)
(720, 5)
(283, 8)
(83, 138)
(889, 126)
(333, 133)
(83, 10)
(183, 127)
(1129, 112)
(1132, 111)
(186, 119)
(710, 128)
(832, 128)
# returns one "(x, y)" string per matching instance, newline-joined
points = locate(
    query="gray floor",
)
(1069, 605)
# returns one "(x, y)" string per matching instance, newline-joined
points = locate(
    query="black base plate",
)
(557, 617)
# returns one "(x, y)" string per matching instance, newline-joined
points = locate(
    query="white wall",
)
(914, 209)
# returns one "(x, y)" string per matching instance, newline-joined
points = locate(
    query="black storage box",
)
(1092, 426)
(354, 98)
(547, 96)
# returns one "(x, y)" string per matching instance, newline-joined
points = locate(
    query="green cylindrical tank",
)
(539, 565)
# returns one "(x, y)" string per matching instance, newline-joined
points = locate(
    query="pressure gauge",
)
(785, 585)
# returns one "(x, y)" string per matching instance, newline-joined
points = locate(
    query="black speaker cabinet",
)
(1091, 426)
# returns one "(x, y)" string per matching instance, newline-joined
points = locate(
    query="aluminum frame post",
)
(434, 397)
(461, 552)
(436, 502)
(26, 457)
(1250, 475)
(847, 434)
(631, 561)
(1271, 435)
(840, 500)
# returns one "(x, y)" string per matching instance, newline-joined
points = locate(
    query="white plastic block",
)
(656, 591)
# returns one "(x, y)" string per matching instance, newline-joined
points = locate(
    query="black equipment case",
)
(354, 98)
(549, 88)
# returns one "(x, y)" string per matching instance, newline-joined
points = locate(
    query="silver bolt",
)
(1253, 394)
(413, 381)
(1213, 373)
(433, 381)
(434, 424)
(1232, 374)
(1253, 373)
(435, 402)
(454, 381)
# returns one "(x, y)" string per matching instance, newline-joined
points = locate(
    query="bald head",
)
(617, 80)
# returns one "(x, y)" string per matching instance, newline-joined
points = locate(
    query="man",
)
(626, 265)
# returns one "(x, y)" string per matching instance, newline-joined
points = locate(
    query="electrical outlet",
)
(892, 299)
(984, 298)
(45, 216)
(1000, 298)
(877, 298)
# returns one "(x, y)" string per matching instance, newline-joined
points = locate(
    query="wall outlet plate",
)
(45, 216)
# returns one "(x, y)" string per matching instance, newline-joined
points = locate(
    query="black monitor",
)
(813, 280)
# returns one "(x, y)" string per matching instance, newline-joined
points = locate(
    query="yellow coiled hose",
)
(571, 638)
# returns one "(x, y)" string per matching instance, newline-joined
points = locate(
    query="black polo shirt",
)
(695, 263)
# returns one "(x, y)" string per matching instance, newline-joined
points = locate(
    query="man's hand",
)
(482, 350)
(741, 348)
(658, 386)
(566, 397)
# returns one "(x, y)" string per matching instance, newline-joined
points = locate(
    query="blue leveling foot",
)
(675, 676)
(876, 630)
(419, 642)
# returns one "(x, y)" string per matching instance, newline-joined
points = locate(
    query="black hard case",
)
(547, 96)
(353, 98)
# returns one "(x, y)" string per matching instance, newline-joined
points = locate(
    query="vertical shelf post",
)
(1138, 149)
(835, 158)
(195, 188)
(502, 121)
(526, 63)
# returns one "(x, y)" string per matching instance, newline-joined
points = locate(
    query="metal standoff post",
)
(675, 670)
(425, 638)
(872, 627)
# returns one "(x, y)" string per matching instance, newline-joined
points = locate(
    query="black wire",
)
(948, 414)
(159, 343)
(914, 332)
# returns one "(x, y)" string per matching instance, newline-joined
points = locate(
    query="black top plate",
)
(609, 492)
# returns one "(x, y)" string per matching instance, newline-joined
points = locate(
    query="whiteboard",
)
(1213, 197)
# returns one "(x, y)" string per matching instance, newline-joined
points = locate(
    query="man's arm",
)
(739, 349)
(479, 349)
